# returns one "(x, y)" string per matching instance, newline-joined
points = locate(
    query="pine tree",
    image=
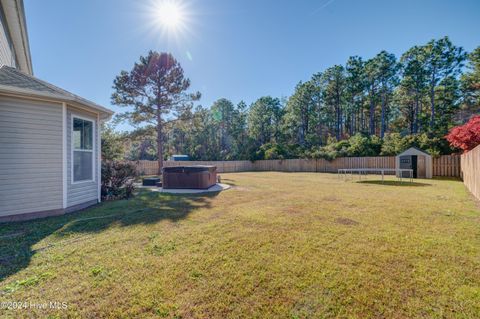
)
(155, 88)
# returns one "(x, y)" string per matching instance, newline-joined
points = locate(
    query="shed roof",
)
(17, 82)
(413, 150)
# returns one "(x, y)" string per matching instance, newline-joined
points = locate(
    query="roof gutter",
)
(16, 24)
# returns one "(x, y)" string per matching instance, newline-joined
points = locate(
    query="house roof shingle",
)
(19, 81)
(11, 77)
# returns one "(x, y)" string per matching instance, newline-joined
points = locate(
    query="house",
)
(49, 138)
(420, 162)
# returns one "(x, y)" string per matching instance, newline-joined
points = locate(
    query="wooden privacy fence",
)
(448, 165)
(222, 166)
(321, 165)
(146, 167)
(151, 167)
(470, 164)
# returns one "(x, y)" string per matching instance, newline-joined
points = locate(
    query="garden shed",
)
(419, 161)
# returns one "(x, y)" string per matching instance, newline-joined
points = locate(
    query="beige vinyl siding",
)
(7, 56)
(79, 193)
(30, 156)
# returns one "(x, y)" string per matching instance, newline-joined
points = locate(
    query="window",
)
(82, 145)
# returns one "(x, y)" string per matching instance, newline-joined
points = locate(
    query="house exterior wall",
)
(7, 56)
(30, 156)
(82, 192)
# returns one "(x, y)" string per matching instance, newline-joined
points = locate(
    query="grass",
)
(276, 245)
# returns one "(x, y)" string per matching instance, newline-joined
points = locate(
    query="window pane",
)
(82, 134)
(82, 166)
(77, 133)
(87, 135)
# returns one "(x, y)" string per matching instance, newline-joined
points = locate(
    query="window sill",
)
(83, 182)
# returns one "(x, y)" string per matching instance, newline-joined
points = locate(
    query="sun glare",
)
(170, 22)
(170, 15)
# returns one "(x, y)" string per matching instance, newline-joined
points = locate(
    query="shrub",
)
(393, 144)
(364, 145)
(112, 144)
(117, 180)
(435, 146)
(357, 145)
(467, 136)
(326, 153)
(272, 151)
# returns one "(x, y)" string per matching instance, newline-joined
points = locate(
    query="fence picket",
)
(470, 171)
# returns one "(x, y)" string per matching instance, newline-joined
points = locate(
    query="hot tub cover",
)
(189, 169)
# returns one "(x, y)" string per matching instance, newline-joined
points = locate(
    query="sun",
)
(170, 15)
(168, 21)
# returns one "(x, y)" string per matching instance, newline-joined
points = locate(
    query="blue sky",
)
(240, 50)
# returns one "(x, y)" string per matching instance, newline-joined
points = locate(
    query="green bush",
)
(363, 145)
(394, 144)
(272, 151)
(117, 180)
(357, 145)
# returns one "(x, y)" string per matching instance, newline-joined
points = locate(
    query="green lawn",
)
(276, 245)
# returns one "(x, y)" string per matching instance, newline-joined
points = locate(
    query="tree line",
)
(376, 106)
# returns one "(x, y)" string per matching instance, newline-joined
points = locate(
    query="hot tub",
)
(194, 177)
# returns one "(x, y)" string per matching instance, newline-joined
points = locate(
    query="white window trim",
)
(72, 148)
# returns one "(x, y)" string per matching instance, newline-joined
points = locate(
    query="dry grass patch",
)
(276, 245)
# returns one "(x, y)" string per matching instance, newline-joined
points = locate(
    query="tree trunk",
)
(340, 120)
(415, 118)
(412, 117)
(337, 122)
(159, 144)
(320, 134)
(362, 120)
(432, 100)
(382, 125)
(301, 135)
(303, 127)
(432, 107)
(338, 114)
(354, 121)
(319, 127)
(372, 112)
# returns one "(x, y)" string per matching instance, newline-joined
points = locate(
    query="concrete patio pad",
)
(215, 188)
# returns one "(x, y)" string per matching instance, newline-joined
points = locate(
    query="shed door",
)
(421, 169)
(414, 166)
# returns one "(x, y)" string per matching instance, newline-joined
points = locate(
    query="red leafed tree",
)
(467, 136)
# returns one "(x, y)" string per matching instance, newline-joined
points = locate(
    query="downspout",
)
(64, 156)
(99, 159)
